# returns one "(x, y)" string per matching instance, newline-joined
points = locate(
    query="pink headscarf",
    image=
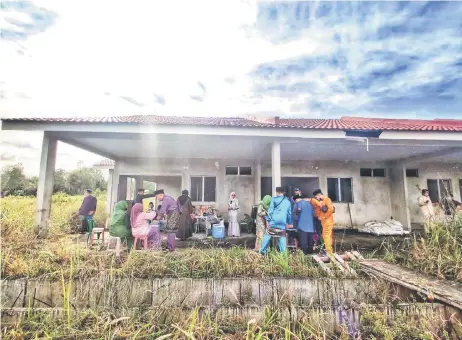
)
(137, 209)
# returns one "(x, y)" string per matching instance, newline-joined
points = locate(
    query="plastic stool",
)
(96, 231)
(118, 245)
(145, 240)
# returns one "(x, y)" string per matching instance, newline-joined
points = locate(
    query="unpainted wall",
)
(187, 168)
(371, 195)
(430, 171)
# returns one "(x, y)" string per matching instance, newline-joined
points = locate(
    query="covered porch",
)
(366, 173)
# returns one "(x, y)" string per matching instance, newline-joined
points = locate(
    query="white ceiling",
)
(229, 147)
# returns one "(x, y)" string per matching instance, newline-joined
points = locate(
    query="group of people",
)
(136, 223)
(312, 218)
(448, 204)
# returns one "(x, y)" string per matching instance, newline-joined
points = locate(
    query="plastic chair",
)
(118, 245)
(145, 242)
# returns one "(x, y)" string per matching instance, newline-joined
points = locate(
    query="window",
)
(460, 188)
(340, 189)
(130, 195)
(438, 188)
(367, 172)
(239, 170)
(203, 189)
(412, 173)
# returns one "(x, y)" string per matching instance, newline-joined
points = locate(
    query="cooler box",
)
(218, 231)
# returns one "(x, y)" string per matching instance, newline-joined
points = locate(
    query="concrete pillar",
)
(257, 182)
(115, 185)
(276, 165)
(399, 195)
(122, 194)
(109, 191)
(186, 178)
(45, 185)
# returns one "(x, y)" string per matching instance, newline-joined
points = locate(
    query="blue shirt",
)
(305, 218)
(279, 212)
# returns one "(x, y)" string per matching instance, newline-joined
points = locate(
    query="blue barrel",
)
(218, 231)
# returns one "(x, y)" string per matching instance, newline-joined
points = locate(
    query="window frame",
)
(440, 187)
(203, 177)
(416, 171)
(238, 170)
(339, 192)
(373, 170)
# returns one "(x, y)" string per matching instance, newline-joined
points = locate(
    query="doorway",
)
(306, 184)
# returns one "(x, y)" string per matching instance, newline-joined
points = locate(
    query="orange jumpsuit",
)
(327, 220)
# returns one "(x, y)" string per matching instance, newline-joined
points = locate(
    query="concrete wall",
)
(371, 195)
(186, 168)
(431, 171)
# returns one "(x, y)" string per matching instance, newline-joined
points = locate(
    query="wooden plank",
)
(322, 264)
(336, 264)
(441, 290)
(344, 264)
(358, 255)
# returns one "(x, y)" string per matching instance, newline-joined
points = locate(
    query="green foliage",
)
(15, 183)
(80, 179)
(13, 179)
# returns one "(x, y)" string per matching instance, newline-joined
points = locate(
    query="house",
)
(371, 168)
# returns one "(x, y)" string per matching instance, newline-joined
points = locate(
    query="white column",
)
(45, 185)
(276, 165)
(257, 182)
(399, 195)
(115, 185)
(109, 191)
(185, 177)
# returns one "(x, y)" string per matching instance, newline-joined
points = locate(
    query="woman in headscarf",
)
(141, 224)
(233, 208)
(261, 221)
(186, 209)
(120, 224)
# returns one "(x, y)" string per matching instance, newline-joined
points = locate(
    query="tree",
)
(85, 178)
(30, 186)
(60, 179)
(13, 179)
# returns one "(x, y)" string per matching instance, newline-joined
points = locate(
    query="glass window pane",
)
(346, 189)
(245, 170)
(196, 189)
(333, 189)
(412, 173)
(432, 186)
(232, 170)
(379, 173)
(210, 187)
(445, 187)
(365, 172)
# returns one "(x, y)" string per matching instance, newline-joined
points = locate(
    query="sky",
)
(224, 58)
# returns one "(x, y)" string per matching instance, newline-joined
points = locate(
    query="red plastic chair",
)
(145, 242)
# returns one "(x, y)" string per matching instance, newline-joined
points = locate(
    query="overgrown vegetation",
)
(176, 323)
(438, 254)
(25, 256)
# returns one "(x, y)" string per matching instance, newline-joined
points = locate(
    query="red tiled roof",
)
(344, 123)
(105, 162)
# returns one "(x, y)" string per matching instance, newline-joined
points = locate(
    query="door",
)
(306, 184)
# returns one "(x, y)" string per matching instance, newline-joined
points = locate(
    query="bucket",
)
(218, 231)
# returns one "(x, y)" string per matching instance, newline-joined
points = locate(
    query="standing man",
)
(87, 209)
(170, 210)
(279, 218)
(324, 211)
(305, 229)
(140, 196)
(426, 206)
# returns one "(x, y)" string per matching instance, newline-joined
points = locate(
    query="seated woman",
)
(120, 224)
(141, 225)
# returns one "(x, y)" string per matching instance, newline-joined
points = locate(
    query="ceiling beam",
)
(427, 155)
(88, 148)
